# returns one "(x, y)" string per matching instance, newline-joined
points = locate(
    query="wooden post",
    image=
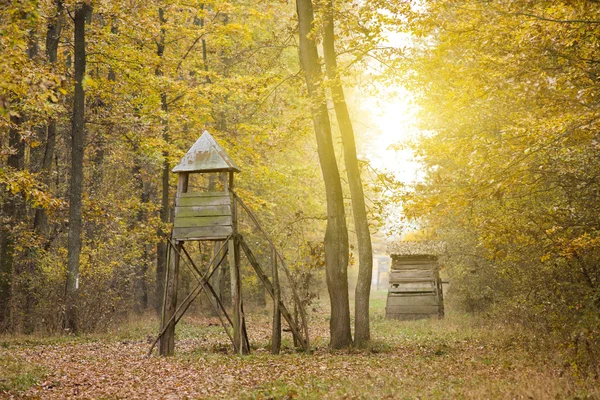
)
(440, 290)
(167, 341)
(276, 340)
(236, 283)
(236, 279)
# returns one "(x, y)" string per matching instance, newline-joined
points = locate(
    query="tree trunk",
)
(336, 236)
(362, 332)
(40, 222)
(140, 286)
(76, 185)
(9, 210)
(161, 247)
(28, 270)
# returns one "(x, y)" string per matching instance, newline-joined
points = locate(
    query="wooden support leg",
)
(440, 291)
(167, 341)
(236, 288)
(246, 342)
(276, 337)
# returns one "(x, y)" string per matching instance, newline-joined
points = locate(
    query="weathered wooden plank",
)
(416, 284)
(408, 263)
(417, 273)
(413, 265)
(192, 222)
(410, 317)
(202, 211)
(409, 301)
(203, 194)
(203, 201)
(412, 282)
(199, 233)
(414, 268)
(411, 291)
(398, 258)
(411, 309)
(409, 277)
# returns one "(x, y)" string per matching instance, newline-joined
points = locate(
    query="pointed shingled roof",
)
(206, 156)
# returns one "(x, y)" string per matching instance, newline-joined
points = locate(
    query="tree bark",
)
(9, 210)
(336, 235)
(161, 247)
(362, 332)
(140, 286)
(40, 223)
(76, 184)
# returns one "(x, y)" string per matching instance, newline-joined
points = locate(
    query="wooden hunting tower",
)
(415, 288)
(209, 213)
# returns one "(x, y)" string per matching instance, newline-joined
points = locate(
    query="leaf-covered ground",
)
(454, 358)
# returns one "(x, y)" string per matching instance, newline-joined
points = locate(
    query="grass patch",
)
(17, 375)
(279, 389)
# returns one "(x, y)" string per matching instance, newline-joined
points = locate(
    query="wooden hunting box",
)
(415, 288)
(204, 214)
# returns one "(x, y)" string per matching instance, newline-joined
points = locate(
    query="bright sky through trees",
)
(393, 120)
(393, 124)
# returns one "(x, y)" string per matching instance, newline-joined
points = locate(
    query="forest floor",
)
(458, 357)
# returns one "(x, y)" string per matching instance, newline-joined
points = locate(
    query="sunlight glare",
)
(393, 124)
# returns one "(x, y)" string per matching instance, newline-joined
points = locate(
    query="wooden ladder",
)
(265, 280)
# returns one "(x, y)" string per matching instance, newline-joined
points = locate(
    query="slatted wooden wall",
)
(202, 216)
(415, 288)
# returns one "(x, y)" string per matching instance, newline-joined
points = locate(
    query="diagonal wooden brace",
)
(283, 266)
(203, 282)
(265, 280)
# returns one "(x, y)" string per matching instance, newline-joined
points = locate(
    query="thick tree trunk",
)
(336, 236)
(76, 185)
(161, 247)
(362, 332)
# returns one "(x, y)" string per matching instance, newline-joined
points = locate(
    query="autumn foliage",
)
(228, 68)
(509, 100)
